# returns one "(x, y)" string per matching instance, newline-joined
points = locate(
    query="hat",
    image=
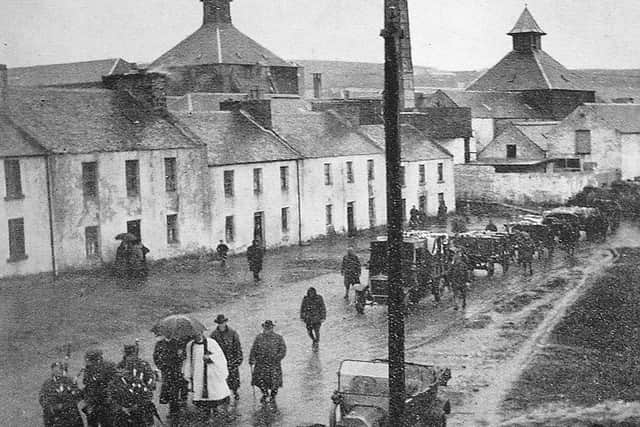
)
(221, 318)
(268, 324)
(130, 349)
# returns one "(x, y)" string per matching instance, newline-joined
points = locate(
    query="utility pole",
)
(392, 34)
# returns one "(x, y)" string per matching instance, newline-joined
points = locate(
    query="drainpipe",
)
(47, 160)
(299, 202)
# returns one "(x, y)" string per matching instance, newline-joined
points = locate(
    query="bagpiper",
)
(131, 391)
(59, 397)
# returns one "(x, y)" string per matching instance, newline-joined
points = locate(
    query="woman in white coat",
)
(205, 367)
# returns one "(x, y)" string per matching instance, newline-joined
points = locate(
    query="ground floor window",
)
(229, 232)
(92, 241)
(372, 212)
(404, 209)
(422, 203)
(172, 228)
(17, 250)
(328, 213)
(285, 220)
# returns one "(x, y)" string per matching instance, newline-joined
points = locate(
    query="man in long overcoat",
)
(169, 355)
(98, 373)
(59, 397)
(255, 255)
(313, 312)
(265, 358)
(229, 341)
(351, 270)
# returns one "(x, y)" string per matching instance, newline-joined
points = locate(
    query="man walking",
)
(255, 255)
(265, 358)
(97, 375)
(59, 397)
(313, 312)
(351, 270)
(229, 342)
(205, 367)
(168, 355)
(222, 250)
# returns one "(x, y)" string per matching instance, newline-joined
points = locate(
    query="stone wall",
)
(481, 182)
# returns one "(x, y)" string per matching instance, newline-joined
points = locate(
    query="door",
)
(351, 223)
(258, 227)
(133, 227)
(422, 203)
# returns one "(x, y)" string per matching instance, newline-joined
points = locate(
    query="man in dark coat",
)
(255, 254)
(222, 250)
(229, 342)
(351, 270)
(313, 312)
(132, 392)
(265, 358)
(97, 375)
(459, 275)
(59, 397)
(168, 356)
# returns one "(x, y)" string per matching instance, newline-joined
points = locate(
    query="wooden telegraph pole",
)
(392, 34)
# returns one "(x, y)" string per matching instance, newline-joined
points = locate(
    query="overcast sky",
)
(453, 34)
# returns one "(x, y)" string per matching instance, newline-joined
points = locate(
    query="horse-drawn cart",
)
(482, 250)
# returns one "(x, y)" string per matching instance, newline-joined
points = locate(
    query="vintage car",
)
(362, 397)
(425, 260)
(482, 250)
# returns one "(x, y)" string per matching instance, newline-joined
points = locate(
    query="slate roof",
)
(92, 120)
(523, 135)
(69, 74)
(323, 134)
(201, 48)
(623, 117)
(499, 105)
(537, 132)
(232, 138)
(415, 146)
(528, 70)
(526, 24)
(15, 142)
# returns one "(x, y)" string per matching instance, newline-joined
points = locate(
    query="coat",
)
(215, 373)
(351, 268)
(229, 342)
(267, 353)
(59, 397)
(313, 309)
(96, 380)
(255, 254)
(169, 356)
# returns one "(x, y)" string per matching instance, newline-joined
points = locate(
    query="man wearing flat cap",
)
(229, 342)
(265, 358)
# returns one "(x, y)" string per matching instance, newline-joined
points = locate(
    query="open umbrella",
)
(126, 236)
(178, 326)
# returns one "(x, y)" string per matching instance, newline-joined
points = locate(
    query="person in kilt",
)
(59, 397)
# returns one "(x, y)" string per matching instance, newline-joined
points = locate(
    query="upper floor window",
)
(90, 180)
(511, 151)
(350, 179)
(257, 181)
(132, 175)
(228, 183)
(170, 175)
(327, 174)
(284, 178)
(422, 175)
(583, 142)
(370, 170)
(440, 172)
(13, 179)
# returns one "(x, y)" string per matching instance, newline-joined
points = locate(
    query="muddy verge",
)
(588, 372)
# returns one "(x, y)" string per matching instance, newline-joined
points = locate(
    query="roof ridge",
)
(541, 68)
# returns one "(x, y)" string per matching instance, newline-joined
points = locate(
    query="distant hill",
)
(337, 75)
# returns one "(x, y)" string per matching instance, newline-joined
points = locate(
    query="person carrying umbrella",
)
(169, 355)
(229, 341)
(265, 358)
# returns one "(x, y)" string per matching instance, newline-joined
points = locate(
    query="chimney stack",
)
(216, 12)
(317, 85)
(4, 86)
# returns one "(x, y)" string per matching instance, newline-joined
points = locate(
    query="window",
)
(440, 172)
(257, 181)
(90, 180)
(327, 174)
(422, 203)
(583, 142)
(132, 177)
(16, 240)
(568, 164)
(284, 178)
(372, 212)
(133, 227)
(441, 199)
(172, 229)
(403, 176)
(13, 179)
(422, 175)
(511, 151)
(92, 242)
(228, 229)
(370, 170)
(285, 220)
(228, 183)
(350, 179)
(170, 178)
(328, 210)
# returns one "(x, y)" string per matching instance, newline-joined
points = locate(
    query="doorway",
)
(133, 227)
(351, 223)
(258, 228)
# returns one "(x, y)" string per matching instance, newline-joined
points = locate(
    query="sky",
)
(449, 34)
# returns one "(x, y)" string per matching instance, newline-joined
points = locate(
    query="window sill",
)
(441, 182)
(14, 197)
(176, 243)
(17, 258)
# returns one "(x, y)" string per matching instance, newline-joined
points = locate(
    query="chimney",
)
(4, 86)
(317, 85)
(216, 12)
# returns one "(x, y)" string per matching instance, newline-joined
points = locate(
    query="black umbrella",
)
(178, 326)
(127, 237)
